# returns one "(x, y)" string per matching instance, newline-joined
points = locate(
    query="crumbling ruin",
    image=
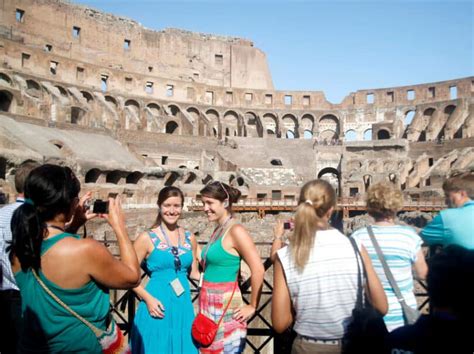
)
(132, 110)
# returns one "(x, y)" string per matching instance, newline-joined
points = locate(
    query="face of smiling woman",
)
(214, 209)
(171, 210)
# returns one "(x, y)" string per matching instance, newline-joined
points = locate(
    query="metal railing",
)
(260, 334)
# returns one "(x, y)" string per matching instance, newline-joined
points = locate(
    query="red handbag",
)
(204, 329)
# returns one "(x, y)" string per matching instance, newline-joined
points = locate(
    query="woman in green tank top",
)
(229, 243)
(77, 271)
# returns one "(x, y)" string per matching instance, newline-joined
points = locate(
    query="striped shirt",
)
(400, 245)
(6, 213)
(324, 293)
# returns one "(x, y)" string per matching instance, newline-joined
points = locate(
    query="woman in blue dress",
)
(164, 317)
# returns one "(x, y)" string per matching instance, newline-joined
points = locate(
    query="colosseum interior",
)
(133, 109)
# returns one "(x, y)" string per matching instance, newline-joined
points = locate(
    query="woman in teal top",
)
(221, 263)
(78, 271)
(165, 314)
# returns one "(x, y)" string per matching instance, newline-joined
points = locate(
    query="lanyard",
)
(168, 242)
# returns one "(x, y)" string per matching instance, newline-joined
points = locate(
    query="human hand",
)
(278, 230)
(155, 308)
(115, 216)
(81, 214)
(244, 313)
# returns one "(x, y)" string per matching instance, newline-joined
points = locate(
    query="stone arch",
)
(78, 116)
(214, 118)
(331, 175)
(198, 121)
(132, 115)
(92, 176)
(5, 80)
(231, 123)
(427, 115)
(367, 179)
(270, 124)
(87, 96)
(409, 115)
(114, 177)
(327, 136)
(253, 125)
(152, 114)
(307, 125)
(350, 135)
(290, 126)
(111, 100)
(368, 134)
(190, 177)
(62, 91)
(330, 122)
(33, 88)
(172, 127)
(134, 177)
(383, 134)
(6, 100)
(185, 124)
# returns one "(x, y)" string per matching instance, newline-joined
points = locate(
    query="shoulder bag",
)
(410, 315)
(366, 330)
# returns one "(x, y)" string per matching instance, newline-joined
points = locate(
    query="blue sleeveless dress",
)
(172, 333)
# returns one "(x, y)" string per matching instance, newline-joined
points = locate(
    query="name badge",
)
(177, 287)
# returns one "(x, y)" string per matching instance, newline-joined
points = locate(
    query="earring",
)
(226, 203)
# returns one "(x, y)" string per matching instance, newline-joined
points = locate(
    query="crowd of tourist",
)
(336, 292)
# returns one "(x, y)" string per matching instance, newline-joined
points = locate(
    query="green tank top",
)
(48, 327)
(221, 266)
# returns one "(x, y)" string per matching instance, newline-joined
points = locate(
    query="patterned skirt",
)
(231, 334)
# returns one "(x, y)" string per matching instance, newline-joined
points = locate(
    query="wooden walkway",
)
(346, 204)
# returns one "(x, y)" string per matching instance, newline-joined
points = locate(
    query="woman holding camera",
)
(52, 265)
(220, 294)
(315, 279)
(164, 317)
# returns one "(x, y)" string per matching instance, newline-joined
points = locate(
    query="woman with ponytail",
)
(220, 299)
(168, 251)
(77, 271)
(316, 277)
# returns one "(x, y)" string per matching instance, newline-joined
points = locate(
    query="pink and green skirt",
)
(231, 334)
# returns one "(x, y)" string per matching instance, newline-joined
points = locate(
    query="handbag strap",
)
(359, 301)
(228, 303)
(388, 272)
(98, 332)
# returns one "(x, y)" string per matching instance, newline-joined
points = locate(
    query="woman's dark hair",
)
(221, 191)
(164, 194)
(50, 190)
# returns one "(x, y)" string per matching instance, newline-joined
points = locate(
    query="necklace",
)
(56, 227)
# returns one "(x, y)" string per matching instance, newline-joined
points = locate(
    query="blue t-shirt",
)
(453, 226)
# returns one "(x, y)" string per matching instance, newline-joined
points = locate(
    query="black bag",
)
(366, 331)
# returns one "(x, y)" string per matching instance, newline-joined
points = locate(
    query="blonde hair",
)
(384, 199)
(317, 197)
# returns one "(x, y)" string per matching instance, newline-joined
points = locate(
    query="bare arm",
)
(244, 245)
(278, 243)
(102, 265)
(142, 247)
(282, 315)
(375, 289)
(195, 265)
(420, 266)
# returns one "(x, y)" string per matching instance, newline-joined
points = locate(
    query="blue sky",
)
(333, 46)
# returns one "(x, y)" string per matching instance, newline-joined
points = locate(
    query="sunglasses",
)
(177, 261)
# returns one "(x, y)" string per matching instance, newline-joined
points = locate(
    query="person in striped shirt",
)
(316, 277)
(400, 245)
(10, 299)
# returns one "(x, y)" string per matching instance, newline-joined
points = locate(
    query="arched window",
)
(171, 127)
(383, 134)
(350, 135)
